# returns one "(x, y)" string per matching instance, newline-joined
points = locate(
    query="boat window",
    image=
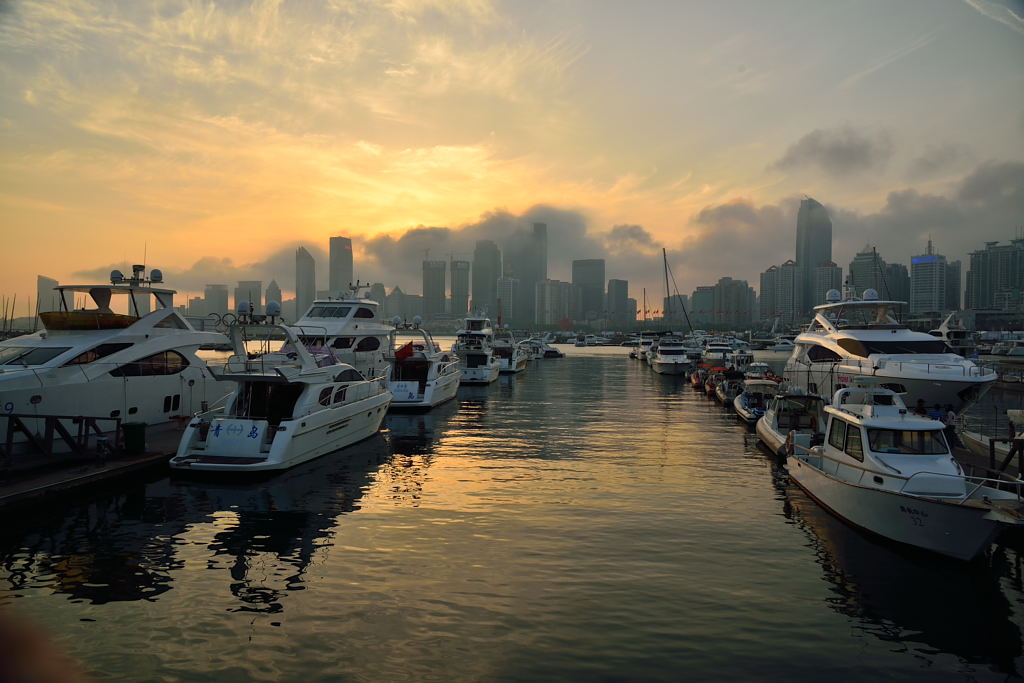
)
(163, 363)
(837, 434)
(348, 375)
(866, 348)
(97, 352)
(329, 312)
(339, 395)
(35, 355)
(325, 396)
(930, 442)
(853, 444)
(9, 352)
(364, 313)
(671, 352)
(822, 354)
(342, 342)
(368, 344)
(173, 322)
(853, 347)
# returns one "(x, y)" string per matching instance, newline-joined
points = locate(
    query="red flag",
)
(404, 352)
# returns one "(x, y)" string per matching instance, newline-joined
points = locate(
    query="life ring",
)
(790, 442)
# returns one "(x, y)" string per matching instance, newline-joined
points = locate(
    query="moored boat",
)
(474, 347)
(791, 415)
(422, 374)
(750, 403)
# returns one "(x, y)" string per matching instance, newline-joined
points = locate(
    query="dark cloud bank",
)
(736, 239)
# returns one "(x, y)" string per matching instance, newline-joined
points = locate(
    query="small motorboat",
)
(292, 402)
(891, 472)
(792, 415)
(751, 402)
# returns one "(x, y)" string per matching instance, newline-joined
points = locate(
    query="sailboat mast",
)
(668, 295)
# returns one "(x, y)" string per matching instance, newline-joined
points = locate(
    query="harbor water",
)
(585, 520)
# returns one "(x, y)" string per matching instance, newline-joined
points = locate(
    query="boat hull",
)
(670, 367)
(482, 374)
(413, 395)
(956, 531)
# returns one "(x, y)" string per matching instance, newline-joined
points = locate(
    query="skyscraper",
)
(618, 298)
(460, 288)
(953, 286)
(928, 282)
(826, 276)
(508, 296)
(340, 272)
(527, 261)
(866, 271)
(216, 299)
(789, 304)
(273, 293)
(250, 291)
(554, 301)
(767, 306)
(588, 275)
(305, 280)
(702, 306)
(485, 274)
(813, 246)
(996, 276)
(732, 301)
(896, 285)
(433, 288)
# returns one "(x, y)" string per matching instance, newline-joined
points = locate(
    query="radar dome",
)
(273, 308)
(417, 320)
(242, 308)
(116, 276)
(870, 295)
(156, 275)
(833, 296)
(396, 321)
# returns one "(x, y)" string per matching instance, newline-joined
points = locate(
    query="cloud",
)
(1009, 12)
(839, 151)
(937, 159)
(887, 59)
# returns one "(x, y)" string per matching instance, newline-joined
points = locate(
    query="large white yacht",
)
(474, 347)
(958, 339)
(422, 375)
(669, 356)
(855, 338)
(511, 354)
(292, 402)
(892, 473)
(137, 365)
(351, 326)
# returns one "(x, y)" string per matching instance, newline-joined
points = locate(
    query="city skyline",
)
(160, 135)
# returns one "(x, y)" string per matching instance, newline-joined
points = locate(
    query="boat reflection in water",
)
(913, 598)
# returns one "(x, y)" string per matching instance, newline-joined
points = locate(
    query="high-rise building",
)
(928, 282)
(554, 301)
(702, 305)
(631, 304)
(433, 288)
(674, 309)
(617, 298)
(47, 298)
(485, 273)
(866, 271)
(527, 261)
(216, 299)
(460, 288)
(813, 247)
(826, 276)
(588, 276)
(340, 271)
(273, 293)
(250, 291)
(196, 307)
(995, 278)
(767, 306)
(377, 292)
(953, 286)
(789, 304)
(508, 296)
(896, 283)
(305, 280)
(732, 301)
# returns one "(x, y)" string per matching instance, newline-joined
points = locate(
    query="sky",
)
(210, 139)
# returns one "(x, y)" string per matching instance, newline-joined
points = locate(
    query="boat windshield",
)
(30, 355)
(864, 348)
(329, 312)
(908, 442)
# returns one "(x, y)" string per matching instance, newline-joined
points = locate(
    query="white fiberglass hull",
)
(482, 374)
(748, 416)
(663, 367)
(512, 365)
(978, 444)
(412, 394)
(239, 445)
(957, 531)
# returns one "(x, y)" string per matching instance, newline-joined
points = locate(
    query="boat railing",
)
(815, 457)
(949, 367)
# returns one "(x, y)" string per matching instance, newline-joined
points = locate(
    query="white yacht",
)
(139, 365)
(750, 404)
(717, 352)
(791, 416)
(292, 401)
(474, 347)
(1013, 348)
(422, 375)
(890, 472)
(669, 357)
(784, 344)
(958, 339)
(351, 327)
(855, 338)
(511, 355)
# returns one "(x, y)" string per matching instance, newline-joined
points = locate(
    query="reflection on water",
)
(585, 519)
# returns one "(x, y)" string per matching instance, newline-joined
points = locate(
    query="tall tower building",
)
(273, 293)
(588, 276)
(215, 298)
(618, 301)
(789, 304)
(866, 271)
(508, 295)
(527, 261)
(996, 276)
(954, 286)
(340, 272)
(554, 301)
(767, 306)
(460, 288)
(433, 288)
(702, 306)
(305, 281)
(813, 246)
(928, 282)
(485, 273)
(826, 276)
(251, 291)
(896, 285)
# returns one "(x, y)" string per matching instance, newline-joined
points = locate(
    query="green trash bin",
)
(134, 437)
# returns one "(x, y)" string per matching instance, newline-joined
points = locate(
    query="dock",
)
(28, 478)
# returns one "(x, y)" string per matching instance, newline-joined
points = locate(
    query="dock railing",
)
(79, 438)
